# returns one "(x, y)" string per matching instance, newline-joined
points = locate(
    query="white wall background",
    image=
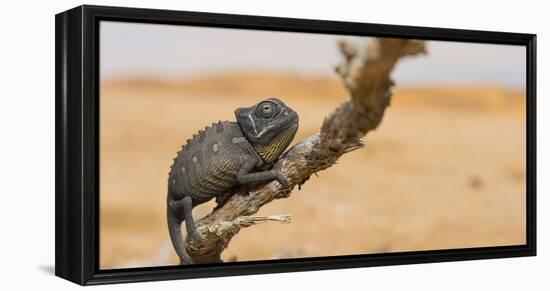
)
(27, 145)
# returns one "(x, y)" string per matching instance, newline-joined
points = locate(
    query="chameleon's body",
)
(226, 155)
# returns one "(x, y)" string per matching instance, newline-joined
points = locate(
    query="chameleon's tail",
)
(174, 228)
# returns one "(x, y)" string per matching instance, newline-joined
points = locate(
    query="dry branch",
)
(366, 75)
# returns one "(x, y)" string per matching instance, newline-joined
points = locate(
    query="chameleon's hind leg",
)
(185, 206)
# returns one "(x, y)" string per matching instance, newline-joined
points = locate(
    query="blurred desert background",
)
(445, 169)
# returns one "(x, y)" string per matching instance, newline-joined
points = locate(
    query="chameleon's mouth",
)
(292, 125)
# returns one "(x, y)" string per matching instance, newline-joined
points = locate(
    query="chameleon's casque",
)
(225, 155)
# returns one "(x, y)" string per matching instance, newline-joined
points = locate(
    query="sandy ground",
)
(446, 169)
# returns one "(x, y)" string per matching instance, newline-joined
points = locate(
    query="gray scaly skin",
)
(223, 156)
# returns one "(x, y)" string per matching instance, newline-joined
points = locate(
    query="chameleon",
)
(225, 155)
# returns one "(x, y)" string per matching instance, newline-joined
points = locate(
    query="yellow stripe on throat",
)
(273, 150)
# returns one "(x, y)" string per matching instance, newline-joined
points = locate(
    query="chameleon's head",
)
(269, 126)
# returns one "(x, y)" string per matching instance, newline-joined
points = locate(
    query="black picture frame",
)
(77, 144)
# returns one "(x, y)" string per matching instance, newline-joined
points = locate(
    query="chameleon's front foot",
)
(196, 235)
(281, 178)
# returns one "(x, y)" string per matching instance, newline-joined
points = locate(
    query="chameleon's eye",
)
(266, 110)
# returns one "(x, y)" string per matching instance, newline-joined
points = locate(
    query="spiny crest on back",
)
(202, 134)
(199, 137)
(219, 126)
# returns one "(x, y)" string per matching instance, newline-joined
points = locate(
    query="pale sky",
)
(179, 52)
